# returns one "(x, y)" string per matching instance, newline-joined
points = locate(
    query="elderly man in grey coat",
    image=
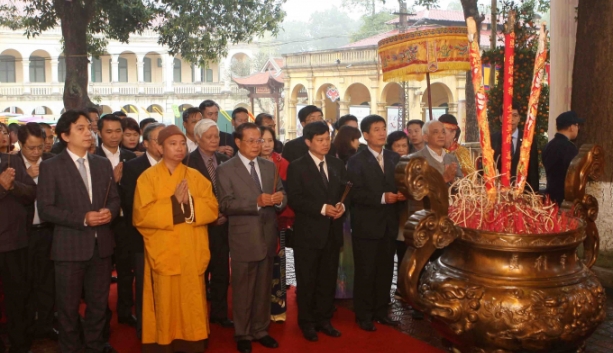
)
(434, 153)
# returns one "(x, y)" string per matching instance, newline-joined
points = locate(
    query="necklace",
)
(190, 219)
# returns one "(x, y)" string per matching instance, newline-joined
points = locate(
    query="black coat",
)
(533, 167)
(132, 170)
(63, 200)
(45, 156)
(369, 218)
(15, 218)
(557, 156)
(306, 195)
(226, 139)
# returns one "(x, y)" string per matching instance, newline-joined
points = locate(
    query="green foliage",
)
(429, 4)
(526, 43)
(198, 30)
(373, 25)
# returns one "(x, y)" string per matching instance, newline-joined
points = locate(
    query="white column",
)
(90, 59)
(168, 73)
(225, 74)
(197, 73)
(115, 73)
(26, 76)
(140, 70)
(55, 73)
(563, 36)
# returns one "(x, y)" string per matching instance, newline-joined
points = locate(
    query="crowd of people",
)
(182, 216)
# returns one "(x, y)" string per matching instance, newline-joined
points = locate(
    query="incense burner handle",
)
(588, 165)
(425, 230)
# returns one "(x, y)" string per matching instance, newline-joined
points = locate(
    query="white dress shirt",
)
(28, 165)
(246, 162)
(87, 170)
(191, 145)
(376, 154)
(152, 160)
(113, 157)
(438, 158)
(514, 139)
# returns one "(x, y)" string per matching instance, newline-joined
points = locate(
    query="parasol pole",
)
(489, 170)
(507, 101)
(429, 94)
(535, 93)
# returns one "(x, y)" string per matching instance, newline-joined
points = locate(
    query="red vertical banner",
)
(507, 109)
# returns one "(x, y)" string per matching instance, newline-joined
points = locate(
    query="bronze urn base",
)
(495, 292)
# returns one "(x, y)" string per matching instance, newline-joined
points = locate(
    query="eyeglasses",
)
(253, 142)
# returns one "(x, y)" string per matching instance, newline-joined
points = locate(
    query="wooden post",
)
(429, 94)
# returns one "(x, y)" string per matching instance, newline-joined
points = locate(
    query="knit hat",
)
(168, 131)
(306, 111)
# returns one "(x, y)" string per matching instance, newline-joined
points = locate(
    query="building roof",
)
(443, 15)
(259, 79)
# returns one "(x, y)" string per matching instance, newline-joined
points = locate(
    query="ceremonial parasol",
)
(424, 53)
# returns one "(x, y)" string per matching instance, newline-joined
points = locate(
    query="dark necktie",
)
(323, 174)
(211, 168)
(254, 175)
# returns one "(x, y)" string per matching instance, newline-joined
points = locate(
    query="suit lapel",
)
(265, 176)
(372, 161)
(315, 173)
(242, 172)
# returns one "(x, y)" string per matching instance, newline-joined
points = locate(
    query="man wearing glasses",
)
(248, 197)
(31, 139)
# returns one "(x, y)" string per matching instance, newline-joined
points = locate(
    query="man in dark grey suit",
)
(17, 194)
(80, 198)
(434, 153)
(206, 159)
(250, 200)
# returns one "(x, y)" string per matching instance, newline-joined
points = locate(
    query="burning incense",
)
(108, 189)
(507, 94)
(346, 192)
(535, 93)
(489, 169)
(274, 186)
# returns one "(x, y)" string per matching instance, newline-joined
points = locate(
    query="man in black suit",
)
(315, 184)
(210, 110)
(517, 139)
(74, 187)
(265, 119)
(133, 240)
(31, 139)
(205, 159)
(111, 134)
(17, 195)
(374, 223)
(559, 152)
(297, 148)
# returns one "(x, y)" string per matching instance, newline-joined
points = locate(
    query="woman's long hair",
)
(342, 142)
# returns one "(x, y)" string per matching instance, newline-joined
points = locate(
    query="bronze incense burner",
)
(493, 292)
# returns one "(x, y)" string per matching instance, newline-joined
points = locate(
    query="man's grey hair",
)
(149, 128)
(203, 126)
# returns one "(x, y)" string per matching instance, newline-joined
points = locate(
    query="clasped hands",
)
(98, 218)
(7, 178)
(181, 192)
(335, 212)
(391, 198)
(265, 200)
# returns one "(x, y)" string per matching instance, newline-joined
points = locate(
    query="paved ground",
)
(600, 342)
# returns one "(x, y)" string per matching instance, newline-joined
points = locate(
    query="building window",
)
(37, 69)
(147, 70)
(123, 70)
(7, 68)
(61, 69)
(176, 72)
(96, 70)
(209, 75)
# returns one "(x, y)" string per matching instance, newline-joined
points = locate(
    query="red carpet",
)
(289, 336)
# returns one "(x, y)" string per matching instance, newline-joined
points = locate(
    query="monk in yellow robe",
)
(172, 206)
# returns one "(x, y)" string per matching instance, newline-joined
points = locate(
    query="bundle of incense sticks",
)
(509, 62)
(274, 186)
(108, 189)
(347, 189)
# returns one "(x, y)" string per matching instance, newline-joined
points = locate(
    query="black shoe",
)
(268, 342)
(51, 334)
(227, 323)
(328, 330)
(386, 321)
(310, 334)
(127, 320)
(243, 346)
(113, 279)
(108, 348)
(367, 325)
